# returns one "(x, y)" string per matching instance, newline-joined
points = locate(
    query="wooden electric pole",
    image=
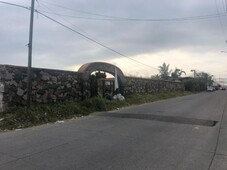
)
(29, 71)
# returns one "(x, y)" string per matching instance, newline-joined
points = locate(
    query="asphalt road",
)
(183, 133)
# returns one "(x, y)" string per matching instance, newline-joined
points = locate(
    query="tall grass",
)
(22, 117)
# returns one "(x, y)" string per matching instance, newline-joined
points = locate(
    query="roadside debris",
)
(60, 121)
(119, 97)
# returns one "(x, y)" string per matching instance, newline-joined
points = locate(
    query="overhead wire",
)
(133, 62)
(204, 17)
(223, 5)
(117, 18)
(16, 5)
(80, 11)
(85, 36)
(220, 20)
(66, 20)
(110, 49)
(81, 34)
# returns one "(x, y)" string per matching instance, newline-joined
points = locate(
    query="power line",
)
(204, 17)
(221, 23)
(65, 20)
(80, 11)
(117, 18)
(77, 32)
(104, 46)
(16, 5)
(132, 62)
(122, 60)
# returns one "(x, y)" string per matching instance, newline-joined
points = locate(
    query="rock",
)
(45, 77)
(24, 97)
(25, 79)
(53, 98)
(39, 87)
(41, 91)
(1, 97)
(12, 82)
(74, 82)
(9, 76)
(50, 82)
(34, 83)
(2, 87)
(20, 92)
(68, 85)
(60, 87)
(54, 79)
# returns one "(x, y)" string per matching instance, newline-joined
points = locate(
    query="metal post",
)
(29, 74)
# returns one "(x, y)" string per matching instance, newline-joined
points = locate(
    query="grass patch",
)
(22, 117)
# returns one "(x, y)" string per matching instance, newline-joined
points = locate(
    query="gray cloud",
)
(57, 47)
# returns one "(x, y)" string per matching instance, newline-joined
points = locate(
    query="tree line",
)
(199, 82)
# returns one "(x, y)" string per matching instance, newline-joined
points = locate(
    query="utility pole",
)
(29, 71)
(193, 72)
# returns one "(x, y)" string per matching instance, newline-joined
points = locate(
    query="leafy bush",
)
(95, 104)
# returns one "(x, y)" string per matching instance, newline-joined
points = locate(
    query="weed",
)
(21, 117)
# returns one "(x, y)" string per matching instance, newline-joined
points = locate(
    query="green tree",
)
(199, 82)
(206, 78)
(164, 71)
(155, 77)
(100, 74)
(176, 74)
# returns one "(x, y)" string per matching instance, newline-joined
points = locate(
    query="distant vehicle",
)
(210, 88)
(216, 88)
(222, 88)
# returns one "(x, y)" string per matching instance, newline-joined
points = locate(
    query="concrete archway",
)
(88, 68)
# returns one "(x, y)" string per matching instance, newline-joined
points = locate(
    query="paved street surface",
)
(183, 133)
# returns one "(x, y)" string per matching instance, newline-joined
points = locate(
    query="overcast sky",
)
(187, 34)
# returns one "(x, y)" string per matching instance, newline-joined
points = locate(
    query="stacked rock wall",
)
(141, 85)
(48, 85)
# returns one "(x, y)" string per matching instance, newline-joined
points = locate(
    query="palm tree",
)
(164, 71)
(177, 73)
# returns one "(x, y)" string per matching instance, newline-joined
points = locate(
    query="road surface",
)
(177, 134)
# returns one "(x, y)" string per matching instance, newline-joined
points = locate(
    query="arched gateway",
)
(89, 68)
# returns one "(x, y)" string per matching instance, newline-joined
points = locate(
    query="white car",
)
(210, 88)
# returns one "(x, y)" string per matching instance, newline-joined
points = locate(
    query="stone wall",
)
(2, 104)
(48, 85)
(141, 85)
